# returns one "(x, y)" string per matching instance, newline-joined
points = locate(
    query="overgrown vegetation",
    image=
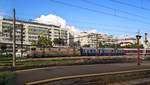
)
(7, 78)
(25, 63)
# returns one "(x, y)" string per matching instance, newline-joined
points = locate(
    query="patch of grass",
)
(147, 58)
(124, 77)
(7, 78)
(25, 63)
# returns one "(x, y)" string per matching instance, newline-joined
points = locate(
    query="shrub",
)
(6, 55)
(7, 78)
(147, 58)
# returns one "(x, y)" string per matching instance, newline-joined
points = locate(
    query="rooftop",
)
(31, 22)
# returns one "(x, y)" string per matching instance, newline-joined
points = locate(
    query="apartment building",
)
(30, 31)
(91, 39)
(126, 41)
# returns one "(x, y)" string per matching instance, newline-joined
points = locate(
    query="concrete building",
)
(31, 31)
(126, 41)
(91, 39)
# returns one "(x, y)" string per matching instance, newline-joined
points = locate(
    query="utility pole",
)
(138, 37)
(14, 38)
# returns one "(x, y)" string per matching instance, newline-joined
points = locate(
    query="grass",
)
(25, 63)
(124, 77)
(7, 78)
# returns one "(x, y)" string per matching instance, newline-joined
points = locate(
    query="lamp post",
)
(138, 37)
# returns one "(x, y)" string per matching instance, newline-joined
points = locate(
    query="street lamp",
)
(138, 37)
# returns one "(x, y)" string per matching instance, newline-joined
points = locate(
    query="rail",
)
(82, 76)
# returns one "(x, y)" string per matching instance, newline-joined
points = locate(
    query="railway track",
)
(86, 79)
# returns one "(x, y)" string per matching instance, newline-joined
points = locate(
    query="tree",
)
(59, 41)
(56, 41)
(86, 45)
(33, 43)
(3, 48)
(133, 46)
(109, 45)
(42, 42)
(49, 42)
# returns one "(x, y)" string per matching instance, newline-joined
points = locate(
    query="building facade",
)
(126, 41)
(30, 31)
(93, 39)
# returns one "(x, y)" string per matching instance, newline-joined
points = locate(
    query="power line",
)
(104, 27)
(131, 5)
(100, 12)
(100, 5)
(87, 22)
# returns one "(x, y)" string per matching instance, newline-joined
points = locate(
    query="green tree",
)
(109, 45)
(59, 41)
(33, 43)
(3, 48)
(133, 46)
(42, 42)
(49, 42)
(56, 41)
(86, 45)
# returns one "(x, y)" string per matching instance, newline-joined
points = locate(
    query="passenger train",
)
(112, 51)
(87, 51)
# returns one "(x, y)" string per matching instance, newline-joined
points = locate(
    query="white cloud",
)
(1, 17)
(92, 31)
(56, 20)
(73, 30)
(51, 19)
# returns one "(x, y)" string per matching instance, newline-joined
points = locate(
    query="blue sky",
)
(85, 19)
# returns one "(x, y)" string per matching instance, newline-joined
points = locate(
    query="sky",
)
(114, 17)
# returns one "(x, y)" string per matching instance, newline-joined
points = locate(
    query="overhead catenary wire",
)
(104, 27)
(114, 9)
(131, 5)
(98, 11)
(92, 23)
(92, 27)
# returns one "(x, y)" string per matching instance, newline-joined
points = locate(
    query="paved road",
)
(53, 72)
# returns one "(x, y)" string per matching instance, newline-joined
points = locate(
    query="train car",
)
(133, 51)
(101, 52)
(88, 51)
(112, 51)
(53, 52)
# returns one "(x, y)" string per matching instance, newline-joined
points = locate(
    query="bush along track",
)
(7, 78)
